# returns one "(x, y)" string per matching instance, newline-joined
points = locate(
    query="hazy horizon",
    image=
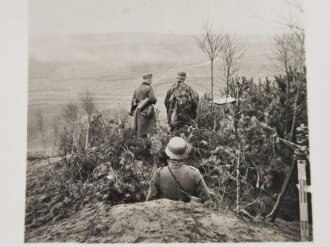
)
(163, 16)
(105, 46)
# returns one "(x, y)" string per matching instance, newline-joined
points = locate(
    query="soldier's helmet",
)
(176, 148)
(181, 76)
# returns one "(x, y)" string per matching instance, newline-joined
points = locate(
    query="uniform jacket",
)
(144, 91)
(144, 124)
(162, 184)
(181, 102)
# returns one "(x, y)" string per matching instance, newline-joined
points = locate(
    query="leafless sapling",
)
(40, 126)
(56, 130)
(71, 117)
(232, 53)
(289, 58)
(211, 43)
(87, 102)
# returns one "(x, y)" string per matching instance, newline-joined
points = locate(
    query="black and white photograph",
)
(180, 121)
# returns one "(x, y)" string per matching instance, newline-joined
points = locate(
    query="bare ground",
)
(160, 221)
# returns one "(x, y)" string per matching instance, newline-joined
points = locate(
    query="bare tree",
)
(56, 129)
(290, 55)
(71, 116)
(282, 60)
(88, 105)
(40, 126)
(289, 58)
(298, 48)
(232, 52)
(290, 45)
(282, 55)
(298, 54)
(211, 43)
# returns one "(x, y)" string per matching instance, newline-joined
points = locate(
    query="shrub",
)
(238, 156)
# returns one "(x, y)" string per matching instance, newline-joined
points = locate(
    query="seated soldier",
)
(177, 181)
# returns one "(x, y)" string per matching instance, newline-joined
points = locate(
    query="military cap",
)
(147, 76)
(181, 75)
(176, 148)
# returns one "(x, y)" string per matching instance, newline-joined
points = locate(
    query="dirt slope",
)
(159, 221)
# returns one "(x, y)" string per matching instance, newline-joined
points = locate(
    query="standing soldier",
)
(177, 181)
(143, 99)
(181, 103)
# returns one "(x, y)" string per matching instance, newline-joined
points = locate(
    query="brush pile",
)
(237, 157)
(110, 172)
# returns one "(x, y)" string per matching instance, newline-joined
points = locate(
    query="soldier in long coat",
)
(177, 181)
(142, 102)
(181, 103)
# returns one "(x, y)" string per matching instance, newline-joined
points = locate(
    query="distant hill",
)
(111, 67)
(110, 55)
(62, 66)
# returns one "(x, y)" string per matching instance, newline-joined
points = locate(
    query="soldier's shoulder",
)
(185, 85)
(193, 171)
(188, 88)
(173, 86)
(192, 168)
(140, 88)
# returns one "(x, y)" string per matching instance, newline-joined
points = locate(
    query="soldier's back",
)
(142, 92)
(181, 87)
(186, 177)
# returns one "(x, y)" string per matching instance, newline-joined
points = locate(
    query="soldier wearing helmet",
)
(177, 181)
(181, 103)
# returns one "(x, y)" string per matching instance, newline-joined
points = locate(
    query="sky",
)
(158, 16)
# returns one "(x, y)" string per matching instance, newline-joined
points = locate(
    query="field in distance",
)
(111, 67)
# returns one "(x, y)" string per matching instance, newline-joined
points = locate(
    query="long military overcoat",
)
(145, 121)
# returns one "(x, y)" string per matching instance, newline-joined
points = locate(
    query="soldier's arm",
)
(195, 98)
(153, 192)
(151, 96)
(202, 191)
(167, 98)
(134, 98)
(194, 102)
